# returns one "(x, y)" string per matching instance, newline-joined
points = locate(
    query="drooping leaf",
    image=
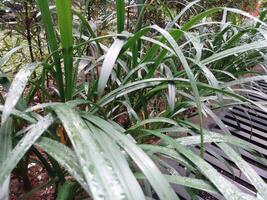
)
(16, 89)
(5, 148)
(23, 146)
(98, 172)
(59, 151)
(146, 165)
(226, 188)
(108, 64)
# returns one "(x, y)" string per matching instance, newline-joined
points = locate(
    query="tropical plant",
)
(249, 5)
(104, 101)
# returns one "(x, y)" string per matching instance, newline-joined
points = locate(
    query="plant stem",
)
(28, 30)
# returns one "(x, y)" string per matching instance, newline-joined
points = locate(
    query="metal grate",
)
(248, 123)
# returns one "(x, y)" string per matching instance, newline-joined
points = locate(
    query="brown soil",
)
(37, 176)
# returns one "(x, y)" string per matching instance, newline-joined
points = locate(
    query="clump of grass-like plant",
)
(106, 95)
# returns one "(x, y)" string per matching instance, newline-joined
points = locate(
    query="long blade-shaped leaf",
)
(16, 89)
(108, 64)
(23, 146)
(125, 175)
(226, 188)
(146, 165)
(252, 175)
(97, 171)
(5, 148)
(189, 73)
(59, 151)
(183, 11)
(120, 7)
(52, 42)
(7, 56)
(177, 34)
(20, 114)
(188, 182)
(239, 49)
(65, 26)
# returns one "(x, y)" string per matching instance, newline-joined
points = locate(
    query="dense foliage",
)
(249, 5)
(106, 97)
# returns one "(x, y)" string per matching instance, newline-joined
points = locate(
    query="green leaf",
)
(67, 191)
(153, 120)
(23, 146)
(183, 11)
(16, 89)
(177, 34)
(64, 14)
(226, 188)
(98, 172)
(235, 50)
(59, 151)
(108, 64)
(145, 164)
(247, 169)
(5, 148)
(52, 42)
(155, 149)
(89, 28)
(120, 10)
(125, 175)
(188, 182)
(7, 56)
(20, 114)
